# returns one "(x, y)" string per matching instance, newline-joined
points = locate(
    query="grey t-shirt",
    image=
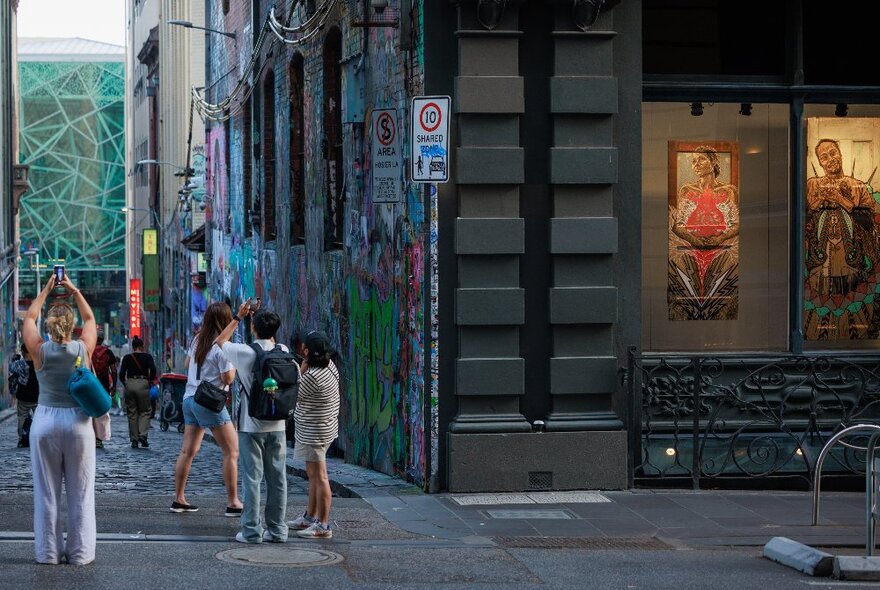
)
(59, 362)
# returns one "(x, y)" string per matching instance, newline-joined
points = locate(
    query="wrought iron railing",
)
(709, 418)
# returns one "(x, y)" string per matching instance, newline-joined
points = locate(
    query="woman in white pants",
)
(62, 436)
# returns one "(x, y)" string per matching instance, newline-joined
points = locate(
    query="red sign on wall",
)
(134, 307)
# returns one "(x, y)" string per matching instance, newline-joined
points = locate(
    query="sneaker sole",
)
(232, 514)
(317, 537)
(179, 510)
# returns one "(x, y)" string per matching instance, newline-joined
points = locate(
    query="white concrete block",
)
(799, 556)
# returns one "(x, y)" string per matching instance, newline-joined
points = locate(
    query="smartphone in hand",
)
(59, 273)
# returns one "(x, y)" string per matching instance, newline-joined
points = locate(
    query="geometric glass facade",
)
(73, 137)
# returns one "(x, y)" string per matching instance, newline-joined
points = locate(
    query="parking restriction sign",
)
(387, 167)
(430, 139)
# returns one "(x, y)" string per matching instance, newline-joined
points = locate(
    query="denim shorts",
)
(196, 415)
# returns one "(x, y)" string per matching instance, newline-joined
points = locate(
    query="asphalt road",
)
(143, 546)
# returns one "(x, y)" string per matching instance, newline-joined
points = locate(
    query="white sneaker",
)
(316, 531)
(268, 538)
(300, 522)
(240, 538)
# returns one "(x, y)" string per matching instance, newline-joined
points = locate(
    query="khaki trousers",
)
(138, 408)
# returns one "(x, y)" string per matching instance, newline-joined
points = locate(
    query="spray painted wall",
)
(369, 293)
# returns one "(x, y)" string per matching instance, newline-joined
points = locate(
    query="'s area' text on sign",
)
(387, 166)
(430, 139)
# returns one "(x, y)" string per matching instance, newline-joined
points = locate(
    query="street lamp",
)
(181, 170)
(150, 211)
(188, 25)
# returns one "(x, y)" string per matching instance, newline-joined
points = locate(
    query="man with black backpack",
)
(268, 377)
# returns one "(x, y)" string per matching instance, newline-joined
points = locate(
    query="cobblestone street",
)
(121, 469)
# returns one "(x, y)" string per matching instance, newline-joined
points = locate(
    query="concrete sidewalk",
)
(695, 519)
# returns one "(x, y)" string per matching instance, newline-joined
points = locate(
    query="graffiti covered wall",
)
(366, 289)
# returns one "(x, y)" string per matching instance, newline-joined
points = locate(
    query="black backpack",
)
(283, 368)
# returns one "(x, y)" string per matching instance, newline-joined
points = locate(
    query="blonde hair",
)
(60, 322)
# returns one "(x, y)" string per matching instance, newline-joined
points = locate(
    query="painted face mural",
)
(703, 272)
(841, 230)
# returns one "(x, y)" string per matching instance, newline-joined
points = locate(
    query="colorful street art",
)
(369, 294)
(842, 229)
(703, 273)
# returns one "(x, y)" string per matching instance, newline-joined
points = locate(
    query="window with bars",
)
(246, 166)
(297, 151)
(332, 144)
(268, 156)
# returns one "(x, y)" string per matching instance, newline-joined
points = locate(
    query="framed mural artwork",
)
(703, 269)
(841, 230)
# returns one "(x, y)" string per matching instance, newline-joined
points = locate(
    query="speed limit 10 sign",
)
(430, 139)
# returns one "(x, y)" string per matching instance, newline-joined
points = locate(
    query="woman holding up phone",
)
(207, 362)
(62, 435)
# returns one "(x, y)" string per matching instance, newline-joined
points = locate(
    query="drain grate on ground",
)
(529, 514)
(263, 556)
(593, 543)
(529, 498)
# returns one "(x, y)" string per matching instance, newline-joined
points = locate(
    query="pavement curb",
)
(347, 480)
(6, 414)
(341, 490)
(863, 569)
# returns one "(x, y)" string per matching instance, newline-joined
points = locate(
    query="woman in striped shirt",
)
(317, 425)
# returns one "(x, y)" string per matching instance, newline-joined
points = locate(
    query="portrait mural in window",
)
(703, 271)
(842, 229)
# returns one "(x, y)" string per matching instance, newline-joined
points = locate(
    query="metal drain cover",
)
(529, 514)
(264, 556)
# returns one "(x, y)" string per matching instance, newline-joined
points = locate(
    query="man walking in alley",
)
(25, 391)
(262, 443)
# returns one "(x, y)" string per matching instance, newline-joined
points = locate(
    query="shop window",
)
(332, 143)
(297, 151)
(268, 157)
(842, 227)
(715, 228)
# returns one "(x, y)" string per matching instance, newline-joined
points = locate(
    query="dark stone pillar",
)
(583, 301)
(489, 231)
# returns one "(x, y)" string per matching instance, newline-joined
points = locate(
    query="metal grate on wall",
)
(540, 480)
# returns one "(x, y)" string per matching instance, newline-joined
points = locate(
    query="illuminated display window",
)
(715, 227)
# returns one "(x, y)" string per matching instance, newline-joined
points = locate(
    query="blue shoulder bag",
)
(87, 391)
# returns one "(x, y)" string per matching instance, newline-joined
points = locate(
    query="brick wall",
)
(360, 278)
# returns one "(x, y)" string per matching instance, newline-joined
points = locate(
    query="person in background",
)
(25, 393)
(62, 435)
(317, 426)
(262, 442)
(206, 362)
(137, 372)
(104, 365)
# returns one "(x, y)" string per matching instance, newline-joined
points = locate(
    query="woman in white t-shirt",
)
(206, 362)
